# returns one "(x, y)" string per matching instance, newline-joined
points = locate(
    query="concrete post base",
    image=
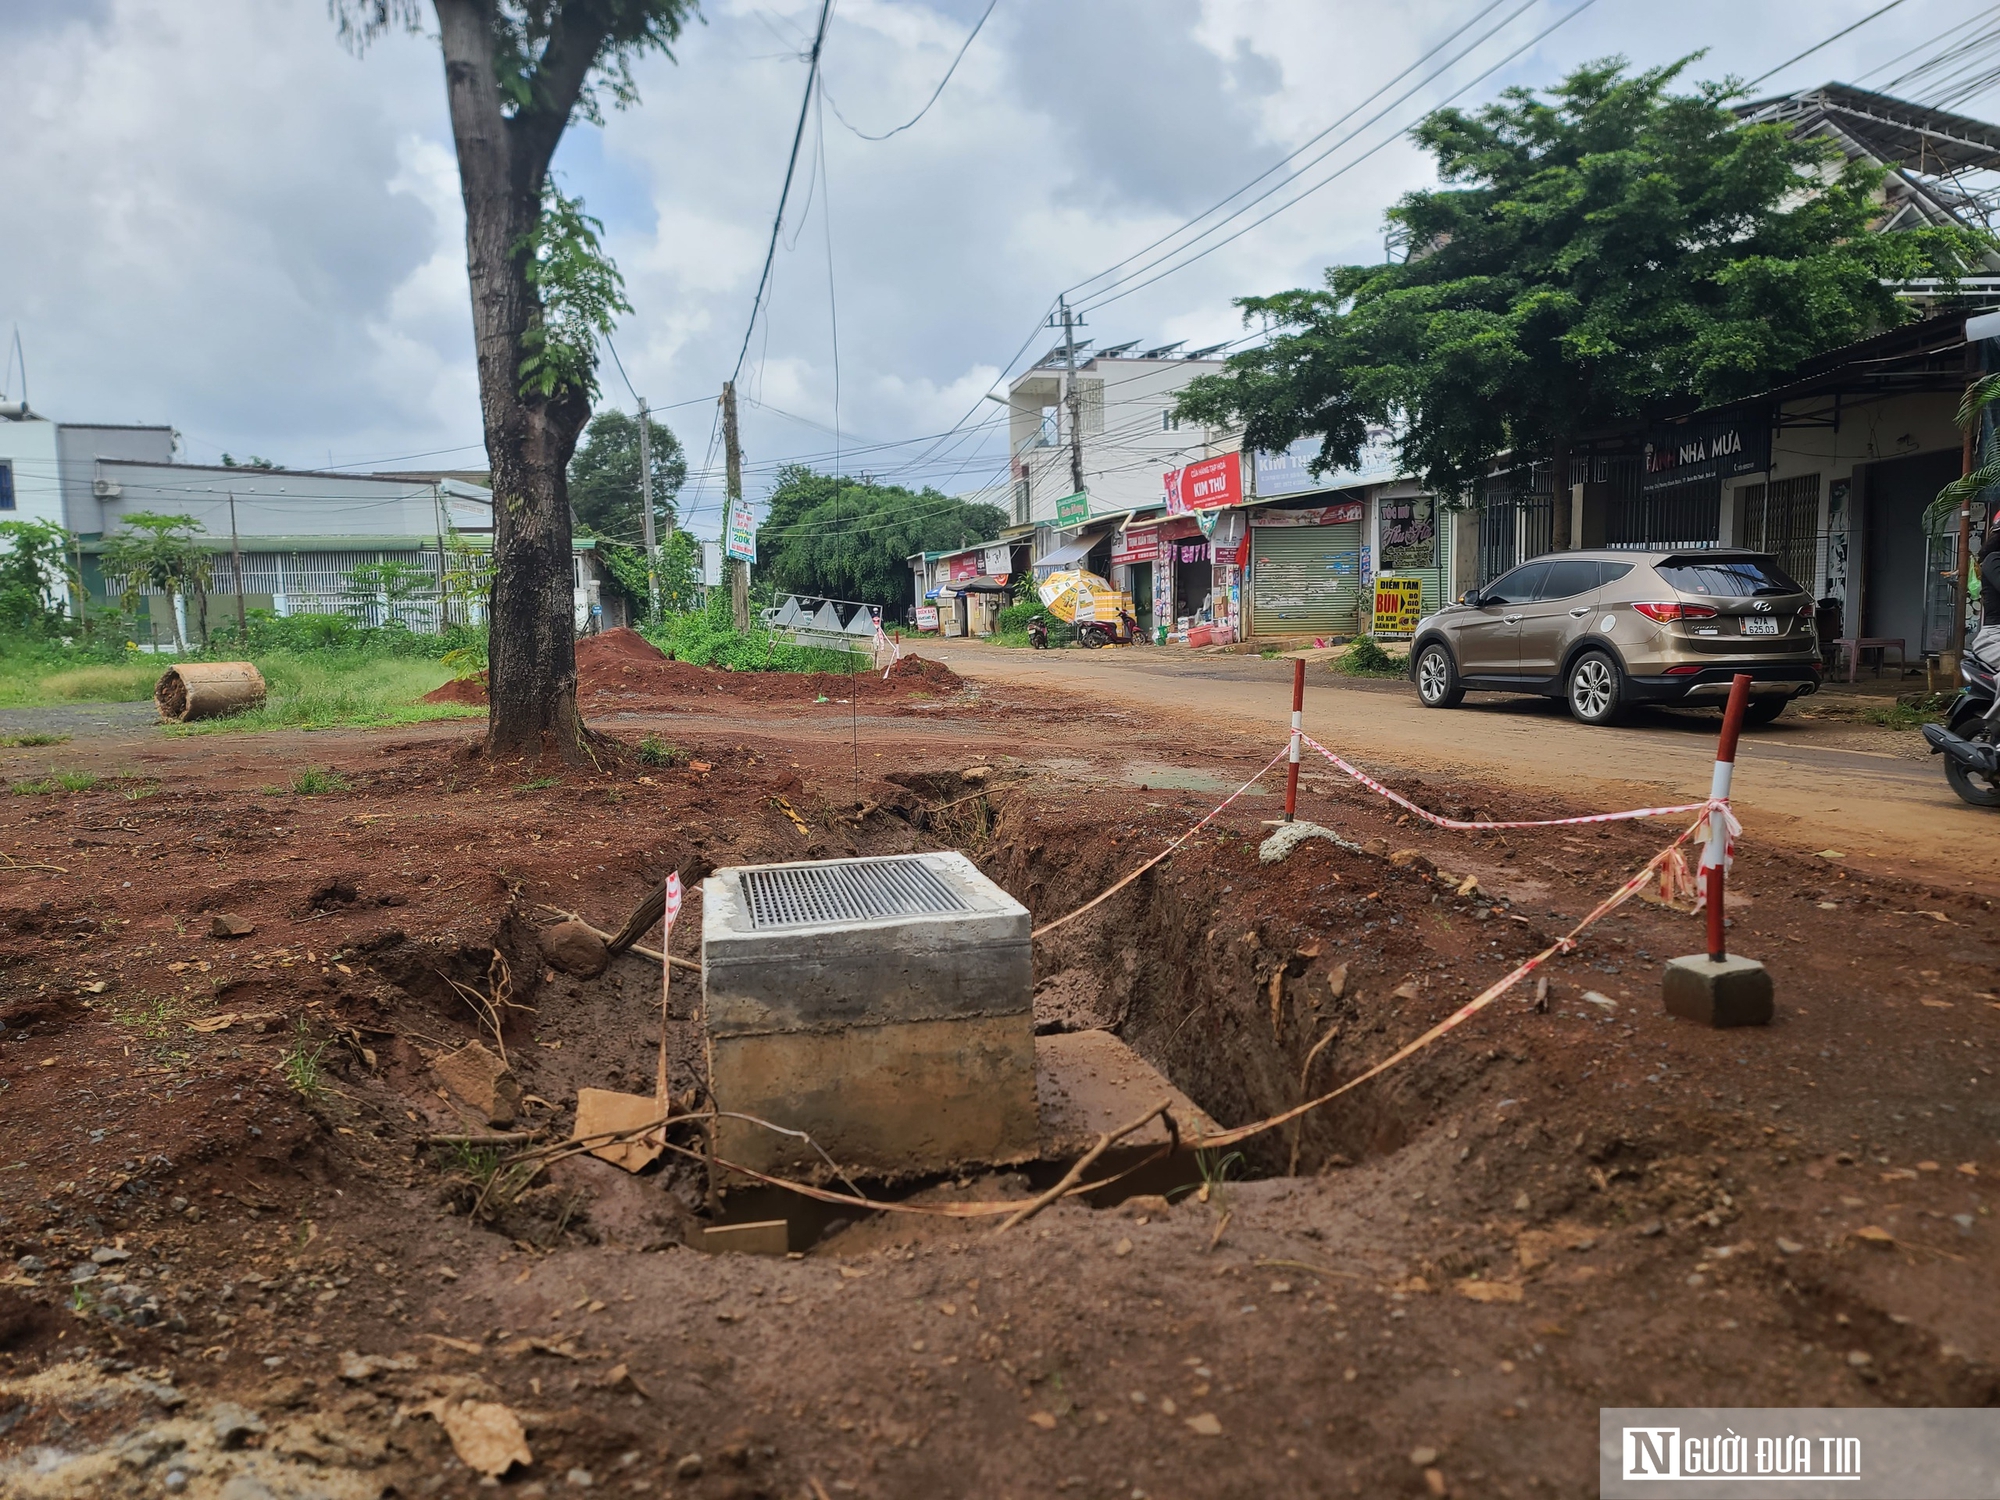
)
(1735, 992)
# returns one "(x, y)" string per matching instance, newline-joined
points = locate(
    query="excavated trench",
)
(1225, 974)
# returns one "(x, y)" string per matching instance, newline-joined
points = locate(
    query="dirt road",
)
(262, 1241)
(1868, 792)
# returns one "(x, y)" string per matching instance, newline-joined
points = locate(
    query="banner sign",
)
(740, 537)
(1717, 448)
(1290, 472)
(1073, 510)
(995, 561)
(1409, 533)
(1208, 485)
(1318, 515)
(1399, 604)
(1137, 545)
(927, 617)
(963, 566)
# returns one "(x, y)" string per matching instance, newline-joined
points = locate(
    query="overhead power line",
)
(934, 92)
(1816, 46)
(791, 169)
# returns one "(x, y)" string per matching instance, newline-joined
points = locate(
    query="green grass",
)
(540, 783)
(28, 741)
(1906, 715)
(709, 640)
(301, 1064)
(341, 692)
(312, 782)
(654, 751)
(56, 781)
(39, 681)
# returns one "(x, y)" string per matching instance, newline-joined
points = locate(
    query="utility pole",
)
(236, 566)
(646, 506)
(739, 575)
(1073, 397)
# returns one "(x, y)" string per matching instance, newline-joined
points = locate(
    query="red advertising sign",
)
(1318, 515)
(1210, 484)
(1138, 544)
(964, 566)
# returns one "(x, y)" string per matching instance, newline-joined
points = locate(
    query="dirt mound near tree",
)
(470, 690)
(921, 670)
(613, 649)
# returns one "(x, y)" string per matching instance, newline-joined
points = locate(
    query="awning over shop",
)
(1069, 554)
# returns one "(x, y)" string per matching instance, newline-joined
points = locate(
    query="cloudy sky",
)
(218, 218)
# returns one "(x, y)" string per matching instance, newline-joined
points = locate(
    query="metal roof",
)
(1894, 131)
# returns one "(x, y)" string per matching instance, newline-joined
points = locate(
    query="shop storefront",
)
(1308, 567)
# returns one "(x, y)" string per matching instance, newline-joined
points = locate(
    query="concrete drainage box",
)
(883, 1005)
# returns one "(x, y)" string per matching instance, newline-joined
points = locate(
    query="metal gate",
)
(1305, 580)
(1782, 518)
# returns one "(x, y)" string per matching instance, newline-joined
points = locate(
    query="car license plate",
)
(1758, 625)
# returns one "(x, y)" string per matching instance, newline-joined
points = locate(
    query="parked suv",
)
(1606, 629)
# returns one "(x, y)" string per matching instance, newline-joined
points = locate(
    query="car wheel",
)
(1437, 678)
(1596, 690)
(1763, 710)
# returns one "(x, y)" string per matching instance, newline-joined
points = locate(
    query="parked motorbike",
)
(1969, 738)
(1038, 634)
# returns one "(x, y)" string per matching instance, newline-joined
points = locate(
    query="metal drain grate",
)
(851, 891)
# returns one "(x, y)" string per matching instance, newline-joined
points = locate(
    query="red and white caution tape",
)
(1712, 805)
(1667, 861)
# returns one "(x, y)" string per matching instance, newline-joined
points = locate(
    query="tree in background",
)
(1599, 249)
(516, 73)
(851, 539)
(35, 577)
(399, 589)
(680, 572)
(604, 486)
(165, 553)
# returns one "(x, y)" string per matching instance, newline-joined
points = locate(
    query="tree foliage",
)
(36, 578)
(161, 551)
(1597, 250)
(852, 539)
(680, 571)
(604, 477)
(580, 292)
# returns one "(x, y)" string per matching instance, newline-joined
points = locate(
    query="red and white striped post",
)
(1714, 988)
(1714, 854)
(1298, 728)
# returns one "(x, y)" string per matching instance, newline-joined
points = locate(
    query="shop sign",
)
(740, 538)
(995, 561)
(1399, 604)
(1409, 533)
(1317, 515)
(1290, 472)
(964, 566)
(1718, 448)
(926, 617)
(1073, 510)
(1139, 544)
(1208, 485)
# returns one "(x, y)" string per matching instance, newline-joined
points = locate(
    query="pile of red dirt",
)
(921, 671)
(470, 690)
(611, 650)
(623, 667)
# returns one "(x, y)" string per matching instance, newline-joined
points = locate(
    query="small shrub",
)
(654, 751)
(1366, 658)
(313, 782)
(29, 741)
(540, 783)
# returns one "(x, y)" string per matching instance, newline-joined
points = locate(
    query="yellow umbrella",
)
(1075, 596)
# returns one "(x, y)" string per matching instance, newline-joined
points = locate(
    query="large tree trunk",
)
(502, 165)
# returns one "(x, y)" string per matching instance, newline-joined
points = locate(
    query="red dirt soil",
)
(623, 671)
(1553, 1209)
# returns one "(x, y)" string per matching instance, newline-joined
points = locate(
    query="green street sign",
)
(1073, 510)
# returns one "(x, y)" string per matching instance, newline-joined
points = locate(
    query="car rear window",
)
(1726, 577)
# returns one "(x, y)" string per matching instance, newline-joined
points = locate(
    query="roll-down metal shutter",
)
(1305, 579)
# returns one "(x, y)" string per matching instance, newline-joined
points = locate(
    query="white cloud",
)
(219, 218)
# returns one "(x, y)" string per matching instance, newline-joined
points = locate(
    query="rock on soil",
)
(574, 949)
